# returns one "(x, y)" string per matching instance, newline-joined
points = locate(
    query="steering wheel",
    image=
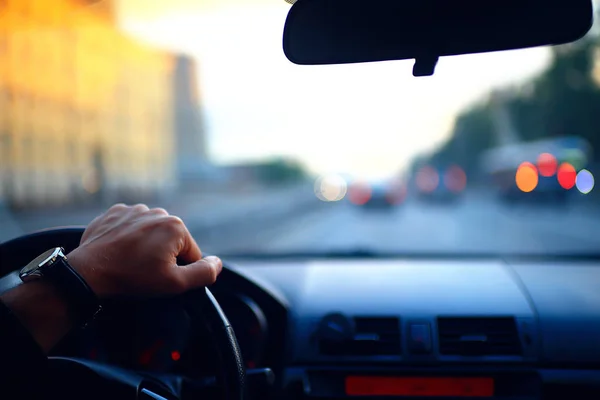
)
(90, 379)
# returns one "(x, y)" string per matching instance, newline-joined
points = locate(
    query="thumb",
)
(203, 272)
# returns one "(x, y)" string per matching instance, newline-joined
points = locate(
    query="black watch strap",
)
(79, 295)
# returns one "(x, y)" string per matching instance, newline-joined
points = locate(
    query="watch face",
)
(33, 267)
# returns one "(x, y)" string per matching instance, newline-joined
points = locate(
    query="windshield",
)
(192, 106)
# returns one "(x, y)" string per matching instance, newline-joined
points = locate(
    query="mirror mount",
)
(425, 65)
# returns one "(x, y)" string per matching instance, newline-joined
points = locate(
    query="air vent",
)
(479, 336)
(370, 336)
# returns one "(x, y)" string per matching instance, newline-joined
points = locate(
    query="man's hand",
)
(133, 251)
(128, 251)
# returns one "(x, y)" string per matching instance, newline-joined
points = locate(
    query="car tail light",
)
(396, 195)
(359, 194)
(427, 179)
(455, 179)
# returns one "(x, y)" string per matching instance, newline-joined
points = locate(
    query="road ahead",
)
(476, 225)
(296, 222)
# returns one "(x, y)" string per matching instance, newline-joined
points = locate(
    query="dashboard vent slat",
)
(372, 336)
(497, 336)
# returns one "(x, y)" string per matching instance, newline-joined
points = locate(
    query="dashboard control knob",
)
(336, 327)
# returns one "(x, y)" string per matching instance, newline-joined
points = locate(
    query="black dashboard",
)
(402, 328)
(160, 336)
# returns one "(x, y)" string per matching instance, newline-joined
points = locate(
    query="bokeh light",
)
(360, 193)
(566, 176)
(330, 188)
(585, 181)
(547, 164)
(427, 179)
(396, 193)
(527, 177)
(317, 188)
(455, 179)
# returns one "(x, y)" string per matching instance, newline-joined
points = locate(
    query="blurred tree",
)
(563, 100)
(473, 132)
(281, 171)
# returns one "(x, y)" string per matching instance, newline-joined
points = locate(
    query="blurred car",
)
(377, 195)
(438, 184)
(548, 191)
(540, 172)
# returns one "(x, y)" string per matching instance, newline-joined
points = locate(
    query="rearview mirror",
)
(353, 31)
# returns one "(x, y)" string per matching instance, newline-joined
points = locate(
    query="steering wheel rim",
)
(200, 303)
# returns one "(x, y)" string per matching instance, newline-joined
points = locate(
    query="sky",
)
(368, 120)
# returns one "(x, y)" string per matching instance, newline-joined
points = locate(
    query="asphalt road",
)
(212, 215)
(477, 224)
(275, 224)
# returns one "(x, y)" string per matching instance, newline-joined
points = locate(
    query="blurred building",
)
(190, 135)
(106, 9)
(85, 111)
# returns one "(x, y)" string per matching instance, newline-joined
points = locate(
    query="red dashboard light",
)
(419, 386)
(94, 354)
(145, 358)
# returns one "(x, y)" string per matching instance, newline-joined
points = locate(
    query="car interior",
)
(358, 324)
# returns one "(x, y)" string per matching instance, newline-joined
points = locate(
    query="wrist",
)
(53, 266)
(79, 262)
(42, 310)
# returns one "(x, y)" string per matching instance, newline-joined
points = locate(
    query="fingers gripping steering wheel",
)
(103, 380)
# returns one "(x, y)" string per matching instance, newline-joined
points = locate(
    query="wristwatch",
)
(53, 266)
